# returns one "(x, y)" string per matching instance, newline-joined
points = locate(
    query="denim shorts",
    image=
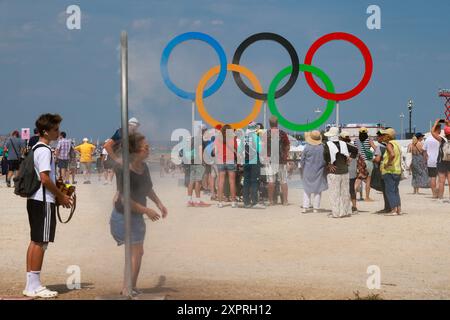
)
(226, 167)
(117, 225)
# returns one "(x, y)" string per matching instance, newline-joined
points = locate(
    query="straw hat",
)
(345, 134)
(333, 132)
(390, 132)
(314, 137)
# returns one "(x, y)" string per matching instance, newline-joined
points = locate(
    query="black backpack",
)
(27, 181)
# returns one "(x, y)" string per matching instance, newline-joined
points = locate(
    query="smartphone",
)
(441, 120)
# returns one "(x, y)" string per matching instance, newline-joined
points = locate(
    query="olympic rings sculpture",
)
(273, 93)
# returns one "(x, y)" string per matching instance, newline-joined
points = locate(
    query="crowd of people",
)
(331, 161)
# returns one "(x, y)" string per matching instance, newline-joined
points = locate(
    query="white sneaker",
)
(41, 292)
(316, 210)
(258, 206)
(234, 204)
(304, 210)
(220, 205)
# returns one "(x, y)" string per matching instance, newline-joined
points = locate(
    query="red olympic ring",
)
(367, 61)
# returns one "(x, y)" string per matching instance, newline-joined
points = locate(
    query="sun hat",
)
(390, 132)
(363, 130)
(314, 137)
(345, 134)
(333, 132)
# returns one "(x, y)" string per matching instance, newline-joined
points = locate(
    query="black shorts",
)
(63, 164)
(443, 167)
(432, 172)
(42, 220)
(13, 165)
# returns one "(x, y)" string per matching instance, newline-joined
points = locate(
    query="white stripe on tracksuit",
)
(46, 235)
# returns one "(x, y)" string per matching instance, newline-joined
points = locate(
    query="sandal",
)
(41, 292)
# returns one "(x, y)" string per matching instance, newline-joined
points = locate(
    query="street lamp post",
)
(318, 112)
(402, 116)
(410, 107)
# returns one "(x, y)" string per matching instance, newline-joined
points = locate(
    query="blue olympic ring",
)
(193, 36)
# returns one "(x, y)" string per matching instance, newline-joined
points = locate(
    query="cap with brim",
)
(314, 137)
(345, 134)
(133, 121)
(419, 135)
(363, 130)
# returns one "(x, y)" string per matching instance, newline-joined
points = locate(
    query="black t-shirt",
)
(33, 140)
(140, 186)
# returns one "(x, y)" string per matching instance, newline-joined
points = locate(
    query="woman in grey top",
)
(312, 169)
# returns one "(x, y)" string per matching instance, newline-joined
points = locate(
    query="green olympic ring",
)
(292, 125)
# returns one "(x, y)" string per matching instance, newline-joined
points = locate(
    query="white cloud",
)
(216, 22)
(197, 23)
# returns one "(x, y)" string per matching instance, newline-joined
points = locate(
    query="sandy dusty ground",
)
(212, 253)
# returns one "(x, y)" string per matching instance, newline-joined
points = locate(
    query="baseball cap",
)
(419, 135)
(345, 134)
(133, 121)
(85, 139)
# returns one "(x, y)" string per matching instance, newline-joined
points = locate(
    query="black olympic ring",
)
(292, 53)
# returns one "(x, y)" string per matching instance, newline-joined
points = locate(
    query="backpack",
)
(27, 181)
(445, 150)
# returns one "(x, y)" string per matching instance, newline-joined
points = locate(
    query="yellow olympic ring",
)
(200, 89)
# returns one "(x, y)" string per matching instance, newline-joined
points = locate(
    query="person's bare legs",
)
(448, 180)
(221, 185)
(198, 185)
(232, 179)
(357, 185)
(137, 251)
(271, 191)
(433, 187)
(441, 186)
(368, 189)
(9, 176)
(35, 256)
(284, 190)
(212, 186)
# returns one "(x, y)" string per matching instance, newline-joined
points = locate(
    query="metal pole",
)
(125, 158)
(193, 117)
(401, 128)
(410, 127)
(337, 114)
(265, 114)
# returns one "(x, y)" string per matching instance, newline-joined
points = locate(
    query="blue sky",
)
(44, 67)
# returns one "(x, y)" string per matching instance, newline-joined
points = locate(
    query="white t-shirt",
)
(105, 153)
(43, 162)
(431, 145)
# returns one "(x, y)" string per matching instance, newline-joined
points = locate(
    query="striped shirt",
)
(364, 149)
